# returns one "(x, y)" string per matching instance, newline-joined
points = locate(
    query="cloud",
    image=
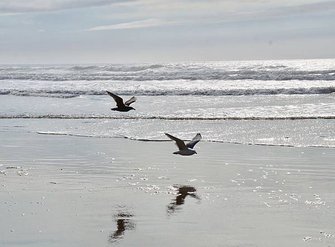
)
(130, 25)
(213, 12)
(305, 8)
(8, 14)
(184, 8)
(19, 6)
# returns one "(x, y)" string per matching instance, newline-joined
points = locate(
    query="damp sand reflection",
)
(124, 222)
(183, 192)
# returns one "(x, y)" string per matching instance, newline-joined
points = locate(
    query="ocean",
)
(282, 102)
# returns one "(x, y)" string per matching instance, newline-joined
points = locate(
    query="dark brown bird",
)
(124, 107)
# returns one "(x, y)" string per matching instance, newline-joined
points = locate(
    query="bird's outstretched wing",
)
(130, 101)
(194, 141)
(181, 145)
(118, 100)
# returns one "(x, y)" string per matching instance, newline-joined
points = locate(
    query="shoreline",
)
(298, 133)
(161, 140)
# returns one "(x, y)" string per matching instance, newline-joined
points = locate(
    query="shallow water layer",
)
(173, 107)
(276, 120)
(107, 192)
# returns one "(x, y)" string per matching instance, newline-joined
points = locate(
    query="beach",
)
(81, 191)
(74, 173)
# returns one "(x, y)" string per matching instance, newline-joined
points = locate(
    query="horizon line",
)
(173, 62)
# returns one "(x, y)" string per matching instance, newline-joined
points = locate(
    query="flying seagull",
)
(185, 149)
(119, 103)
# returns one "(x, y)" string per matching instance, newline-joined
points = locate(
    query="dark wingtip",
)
(168, 135)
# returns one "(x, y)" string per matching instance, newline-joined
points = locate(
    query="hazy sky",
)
(115, 31)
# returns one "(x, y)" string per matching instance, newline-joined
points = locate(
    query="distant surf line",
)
(78, 117)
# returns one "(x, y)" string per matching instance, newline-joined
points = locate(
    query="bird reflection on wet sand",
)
(123, 222)
(183, 192)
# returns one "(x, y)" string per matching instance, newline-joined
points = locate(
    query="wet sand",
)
(79, 191)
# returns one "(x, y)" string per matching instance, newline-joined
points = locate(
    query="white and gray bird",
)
(185, 149)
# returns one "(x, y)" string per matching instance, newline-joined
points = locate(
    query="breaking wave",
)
(159, 92)
(264, 71)
(63, 116)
